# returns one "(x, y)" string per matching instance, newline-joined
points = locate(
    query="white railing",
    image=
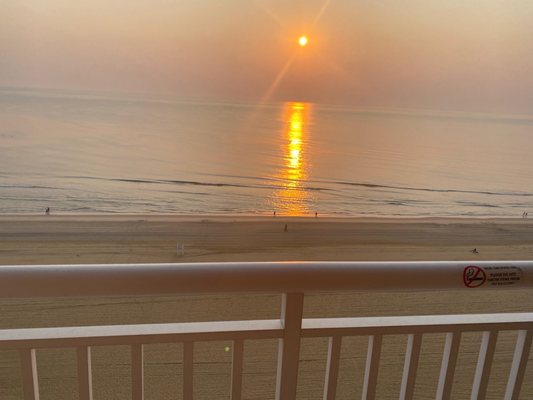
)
(292, 280)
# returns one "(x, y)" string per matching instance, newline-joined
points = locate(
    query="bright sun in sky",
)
(302, 40)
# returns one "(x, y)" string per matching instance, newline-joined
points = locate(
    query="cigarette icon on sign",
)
(474, 276)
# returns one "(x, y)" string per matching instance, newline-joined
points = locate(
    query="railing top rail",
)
(257, 329)
(162, 279)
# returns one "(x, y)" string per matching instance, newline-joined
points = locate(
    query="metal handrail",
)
(280, 277)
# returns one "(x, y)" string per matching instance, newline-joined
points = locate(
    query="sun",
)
(302, 40)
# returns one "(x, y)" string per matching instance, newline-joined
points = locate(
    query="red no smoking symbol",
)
(474, 276)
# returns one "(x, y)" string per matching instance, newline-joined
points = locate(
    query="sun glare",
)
(302, 41)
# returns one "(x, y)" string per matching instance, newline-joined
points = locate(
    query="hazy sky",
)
(437, 54)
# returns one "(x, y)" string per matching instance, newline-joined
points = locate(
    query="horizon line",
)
(85, 94)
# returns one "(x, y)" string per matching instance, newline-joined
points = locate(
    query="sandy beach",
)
(135, 239)
(130, 239)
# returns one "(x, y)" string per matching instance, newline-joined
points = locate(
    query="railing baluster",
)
(410, 366)
(518, 367)
(332, 367)
(30, 382)
(289, 346)
(188, 362)
(137, 373)
(372, 367)
(484, 363)
(85, 387)
(449, 359)
(236, 370)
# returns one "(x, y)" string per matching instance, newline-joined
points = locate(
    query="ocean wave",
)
(476, 204)
(198, 183)
(14, 186)
(433, 190)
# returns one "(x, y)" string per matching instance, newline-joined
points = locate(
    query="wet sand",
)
(133, 239)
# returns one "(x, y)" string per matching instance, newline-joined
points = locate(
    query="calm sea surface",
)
(95, 154)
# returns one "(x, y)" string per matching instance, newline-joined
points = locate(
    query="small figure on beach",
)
(47, 211)
(274, 213)
(286, 228)
(316, 214)
(474, 250)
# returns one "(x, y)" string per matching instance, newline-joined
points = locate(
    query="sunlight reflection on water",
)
(293, 199)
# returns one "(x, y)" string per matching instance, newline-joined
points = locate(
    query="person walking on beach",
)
(286, 228)
(47, 211)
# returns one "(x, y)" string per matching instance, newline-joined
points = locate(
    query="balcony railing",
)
(291, 280)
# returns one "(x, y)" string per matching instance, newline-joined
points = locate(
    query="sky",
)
(474, 55)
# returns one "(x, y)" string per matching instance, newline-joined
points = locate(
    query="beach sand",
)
(139, 239)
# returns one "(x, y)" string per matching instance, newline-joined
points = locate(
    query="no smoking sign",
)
(506, 275)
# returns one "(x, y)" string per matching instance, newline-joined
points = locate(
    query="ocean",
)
(81, 153)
